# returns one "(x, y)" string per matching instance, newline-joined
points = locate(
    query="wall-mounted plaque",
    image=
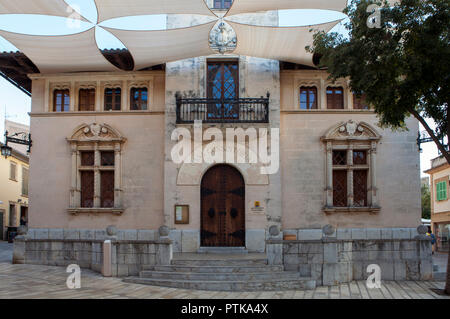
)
(181, 214)
(257, 208)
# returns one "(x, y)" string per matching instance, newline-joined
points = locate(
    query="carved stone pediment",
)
(352, 130)
(95, 132)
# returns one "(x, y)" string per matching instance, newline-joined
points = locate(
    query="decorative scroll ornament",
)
(96, 132)
(351, 129)
(223, 38)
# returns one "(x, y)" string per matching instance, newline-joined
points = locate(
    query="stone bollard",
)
(20, 245)
(164, 250)
(107, 258)
(330, 266)
(274, 247)
(109, 262)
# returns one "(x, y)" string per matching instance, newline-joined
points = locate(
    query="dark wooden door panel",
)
(223, 208)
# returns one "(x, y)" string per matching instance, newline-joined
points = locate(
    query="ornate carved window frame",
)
(140, 84)
(351, 136)
(96, 137)
(59, 86)
(308, 83)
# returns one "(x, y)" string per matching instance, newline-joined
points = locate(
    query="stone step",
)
(222, 250)
(216, 269)
(219, 262)
(263, 276)
(266, 285)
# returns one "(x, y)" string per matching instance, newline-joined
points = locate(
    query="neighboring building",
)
(103, 155)
(17, 128)
(13, 190)
(440, 203)
(425, 181)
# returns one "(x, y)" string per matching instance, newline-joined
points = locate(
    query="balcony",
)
(246, 110)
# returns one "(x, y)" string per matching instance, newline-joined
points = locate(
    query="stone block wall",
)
(343, 255)
(131, 250)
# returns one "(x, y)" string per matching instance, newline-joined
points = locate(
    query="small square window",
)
(359, 157)
(107, 158)
(87, 158)
(339, 157)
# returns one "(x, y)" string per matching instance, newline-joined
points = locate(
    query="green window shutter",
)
(441, 191)
(438, 191)
(444, 190)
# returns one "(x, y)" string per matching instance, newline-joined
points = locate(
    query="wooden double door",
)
(223, 208)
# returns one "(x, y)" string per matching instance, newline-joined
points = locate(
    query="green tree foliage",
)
(402, 66)
(426, 203)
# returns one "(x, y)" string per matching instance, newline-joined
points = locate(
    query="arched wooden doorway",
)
(223, 207)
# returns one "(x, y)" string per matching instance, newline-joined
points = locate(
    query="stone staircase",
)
(222, 273)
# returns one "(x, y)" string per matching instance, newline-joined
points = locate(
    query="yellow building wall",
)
(11, 191)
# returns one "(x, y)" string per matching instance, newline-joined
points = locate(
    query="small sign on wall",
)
(257, 208)
(181, 214)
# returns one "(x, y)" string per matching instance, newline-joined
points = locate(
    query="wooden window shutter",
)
(340, 188)
(25, 181)
(13, 171)
(107, 189)
(360, 188)
(87, 189)
(86, 100)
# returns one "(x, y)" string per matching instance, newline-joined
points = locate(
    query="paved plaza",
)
(41, 282)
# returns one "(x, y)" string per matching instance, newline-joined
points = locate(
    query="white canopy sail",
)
(109, 9)
(284, 44)
(56, 54)
(45, 7)
(247, 6)
(150, 48)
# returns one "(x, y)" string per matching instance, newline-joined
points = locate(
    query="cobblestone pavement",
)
(440, 259)
(41, 282)
(6, 251)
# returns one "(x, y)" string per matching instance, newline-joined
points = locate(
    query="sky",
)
(15, 105)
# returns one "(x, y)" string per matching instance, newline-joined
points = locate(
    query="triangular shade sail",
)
(46, 7)
(150, 48)
(247, 6)
(109, 9)
(55, 54)
(284, 44)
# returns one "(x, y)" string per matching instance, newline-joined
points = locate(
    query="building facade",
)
(440, 208)
(103, 154)
(14, 172)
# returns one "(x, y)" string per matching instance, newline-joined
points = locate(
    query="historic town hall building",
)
(344, 194)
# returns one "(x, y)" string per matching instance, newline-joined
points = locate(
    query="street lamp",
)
(6, 151)
(17, 138)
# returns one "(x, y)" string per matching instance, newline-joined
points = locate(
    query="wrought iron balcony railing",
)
(246, 110)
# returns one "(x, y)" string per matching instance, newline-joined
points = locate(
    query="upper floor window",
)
(113, 99)
(359, 103)
(139, 99)
(61, 100)
(335, 98)
(308, 98)
(86, 100)
(13, 171)
(441, 191)
(222, 4)
(24, 181)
